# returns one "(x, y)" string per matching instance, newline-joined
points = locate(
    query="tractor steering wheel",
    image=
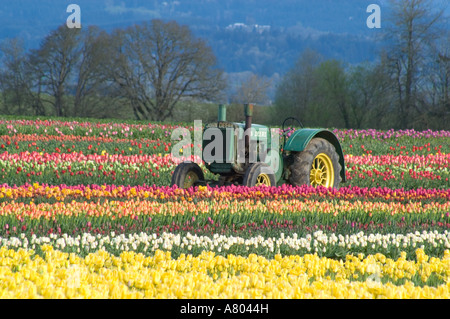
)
(284, 134)
(290, 118)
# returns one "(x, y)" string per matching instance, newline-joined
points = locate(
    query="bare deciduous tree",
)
(156, 64)
(438, 94)
(53, 63)
(253, 90)
(410, 32)
(17, 80)
(12, 76)
(91, 86)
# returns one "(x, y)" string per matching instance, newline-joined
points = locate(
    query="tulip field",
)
(87, 211)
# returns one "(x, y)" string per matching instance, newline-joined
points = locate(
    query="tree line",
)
(145, 69)
(407, 87)
(158, 71)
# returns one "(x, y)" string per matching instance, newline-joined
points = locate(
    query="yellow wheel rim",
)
(322, 171)
(190, 179)
(263, 179)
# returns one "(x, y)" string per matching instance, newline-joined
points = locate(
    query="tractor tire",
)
(318, 164)
(187, 174)
(258, 174)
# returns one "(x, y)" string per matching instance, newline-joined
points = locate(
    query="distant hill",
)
(261, 36)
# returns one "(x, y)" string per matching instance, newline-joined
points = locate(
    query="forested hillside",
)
(271, 37)
(153, 60)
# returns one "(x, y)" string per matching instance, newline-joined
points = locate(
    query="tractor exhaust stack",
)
(222, 117)
(248, 111)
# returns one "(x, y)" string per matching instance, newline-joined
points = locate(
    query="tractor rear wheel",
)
(187, 174)
(318, 164)
(258, 174)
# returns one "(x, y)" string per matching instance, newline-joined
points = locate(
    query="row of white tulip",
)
(318, 242)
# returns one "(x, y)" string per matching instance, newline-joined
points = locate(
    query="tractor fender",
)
(298, 141)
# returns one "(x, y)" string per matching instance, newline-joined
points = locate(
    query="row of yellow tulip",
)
(23, 274)
(64, 192)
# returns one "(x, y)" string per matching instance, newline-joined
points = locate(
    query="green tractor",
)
(251, 155)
